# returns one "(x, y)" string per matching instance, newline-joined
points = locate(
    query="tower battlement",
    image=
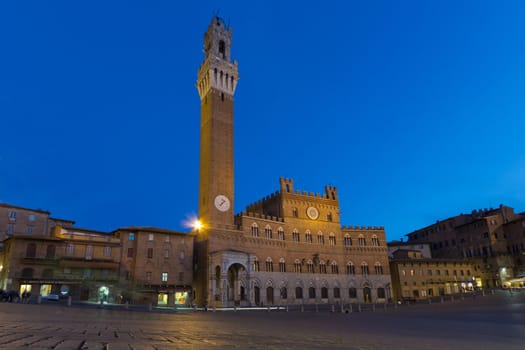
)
(362, 228)
(287, 187)
(260, 216)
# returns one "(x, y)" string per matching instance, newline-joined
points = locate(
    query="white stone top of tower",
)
(217, 71)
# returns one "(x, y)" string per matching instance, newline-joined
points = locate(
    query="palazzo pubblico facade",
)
(287, 248)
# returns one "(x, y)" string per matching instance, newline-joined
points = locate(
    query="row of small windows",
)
(321, 267)
(151, 238)
(11, 229)
(437, 272)
(312, 293)
(150, 253)
(12, 215)
(31, 251)
(308, 237)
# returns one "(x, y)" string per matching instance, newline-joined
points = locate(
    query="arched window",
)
(362, 240)
(378, 268)
(375, 241)
(347, 240)
(324, 293)
(295, 212)
(337, 293)
(331, 238)
(31, 250)
(268, 231)
(310, 266)
(364, 268)
(256, 264)
(335, 268)
(320, 237)
(269, 264)
(284, 293)
(298, 293)
(308, 236)
(50, 252)
(280, 233)
(295, 235)
(352, 293)
(222, 49)
(350, 268)
(282, 265)
(322, 267)
(255, 230)
(329, 216)
(311, 293)
(269, 295)
(297, 266)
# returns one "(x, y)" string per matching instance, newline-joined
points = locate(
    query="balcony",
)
(89, 263)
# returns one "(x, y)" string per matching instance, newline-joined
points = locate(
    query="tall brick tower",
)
(217, 80)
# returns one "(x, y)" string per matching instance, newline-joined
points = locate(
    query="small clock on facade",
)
(312, 213)
(222, 203)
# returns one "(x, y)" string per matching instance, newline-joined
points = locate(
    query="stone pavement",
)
(490, 322)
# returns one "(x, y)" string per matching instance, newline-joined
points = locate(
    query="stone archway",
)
(236, 289)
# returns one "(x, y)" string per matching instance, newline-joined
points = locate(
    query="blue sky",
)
(415, 110)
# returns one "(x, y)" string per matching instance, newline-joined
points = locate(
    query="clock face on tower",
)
(222, 203)
(312, 213)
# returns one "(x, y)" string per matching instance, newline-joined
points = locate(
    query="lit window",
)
(164, 277)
